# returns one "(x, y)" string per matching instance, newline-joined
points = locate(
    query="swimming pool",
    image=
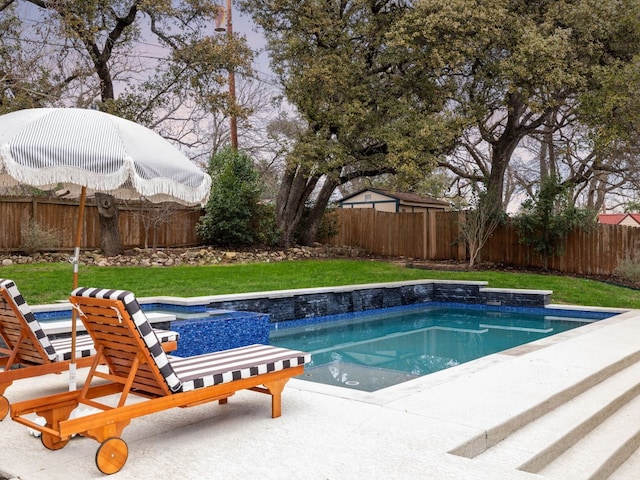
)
(282, 316)
(371, 351)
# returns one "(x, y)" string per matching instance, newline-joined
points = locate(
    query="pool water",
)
(374, 351)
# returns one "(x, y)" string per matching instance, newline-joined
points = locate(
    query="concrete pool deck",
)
(404, 432)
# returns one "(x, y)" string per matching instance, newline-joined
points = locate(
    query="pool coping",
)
(229, 301)
(206, 299)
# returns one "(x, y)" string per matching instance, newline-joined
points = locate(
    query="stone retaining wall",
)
(306, 303)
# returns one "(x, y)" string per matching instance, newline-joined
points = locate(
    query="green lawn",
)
(48, 282)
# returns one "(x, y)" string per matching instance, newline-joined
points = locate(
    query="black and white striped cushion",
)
(235, 364)
(25, 310)
(84, 347)
(143, 326)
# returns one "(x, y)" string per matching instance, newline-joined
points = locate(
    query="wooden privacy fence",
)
(436, 236)
(140, 225)
(595, 252)
(427, 235)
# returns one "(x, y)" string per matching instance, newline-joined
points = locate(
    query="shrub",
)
(544, 221)
(36, 238)
(233, 214)
(480, 222)
(628, 270)
(329, 226)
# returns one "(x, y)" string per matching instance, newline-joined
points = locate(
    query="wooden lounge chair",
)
(138, 367)
(29, 352)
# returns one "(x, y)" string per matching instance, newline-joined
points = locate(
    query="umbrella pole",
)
(76, 261)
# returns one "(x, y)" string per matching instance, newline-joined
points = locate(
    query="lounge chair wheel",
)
(112, 455)
(4, 407)
(51, 442)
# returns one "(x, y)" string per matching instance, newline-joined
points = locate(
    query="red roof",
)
(617, 218)
(611, 218)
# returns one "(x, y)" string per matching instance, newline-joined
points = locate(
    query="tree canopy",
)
(398, 87)
(521, 69)
(79, 53)
(498, 93)
(363, 115)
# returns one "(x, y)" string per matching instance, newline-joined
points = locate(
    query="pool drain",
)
(352, 383)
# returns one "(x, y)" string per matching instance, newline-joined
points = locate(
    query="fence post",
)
(34, 209)
(425, 232)
(461, 251)
(433, 239)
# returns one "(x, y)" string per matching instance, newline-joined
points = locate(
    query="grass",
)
(48, 282)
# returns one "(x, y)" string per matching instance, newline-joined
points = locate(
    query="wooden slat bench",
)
(138, 366)
(29, 352)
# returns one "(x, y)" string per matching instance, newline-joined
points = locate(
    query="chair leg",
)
(275, 390)
(4, 407)
(4, 386)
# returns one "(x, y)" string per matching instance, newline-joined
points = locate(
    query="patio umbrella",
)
(87, 151)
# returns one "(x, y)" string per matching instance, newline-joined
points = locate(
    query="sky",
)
(150, 48)
(242, 25)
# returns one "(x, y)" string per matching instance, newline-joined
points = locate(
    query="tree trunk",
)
(504, 145)
(502, 152)
(109, 232)
(314, 220)
(495, 183)
(295, 189)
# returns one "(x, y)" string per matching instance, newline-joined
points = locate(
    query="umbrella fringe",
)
(155, 190)
(61, 175)
(71, 148)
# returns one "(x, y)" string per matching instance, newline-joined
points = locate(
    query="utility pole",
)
(233, 121)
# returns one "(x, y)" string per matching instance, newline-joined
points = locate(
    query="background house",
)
(388, 201)
(628, 219)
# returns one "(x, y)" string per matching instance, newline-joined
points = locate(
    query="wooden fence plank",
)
(436, 237)
(59, 216)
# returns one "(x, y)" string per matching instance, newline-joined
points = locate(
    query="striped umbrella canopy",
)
(73, 148)
(86, 151)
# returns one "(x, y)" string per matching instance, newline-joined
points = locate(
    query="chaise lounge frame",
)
(29, 352)
(137, 367)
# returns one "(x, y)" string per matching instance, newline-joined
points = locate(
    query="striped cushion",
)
(235, 364)
(26, 312)
(166, 335)
(143, 326)
(85, 348)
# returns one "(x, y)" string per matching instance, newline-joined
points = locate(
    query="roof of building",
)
(618, 218)
(611, 218)
(402, 196)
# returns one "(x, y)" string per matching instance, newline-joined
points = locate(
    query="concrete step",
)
(537, 444)
(492, 436)
(602, 451)
(629, 470)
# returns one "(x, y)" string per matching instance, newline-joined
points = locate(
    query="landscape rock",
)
(188, 256)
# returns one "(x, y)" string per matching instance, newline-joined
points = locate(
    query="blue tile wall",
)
(220, 332)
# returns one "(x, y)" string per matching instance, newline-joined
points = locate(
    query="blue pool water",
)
(371, 351)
